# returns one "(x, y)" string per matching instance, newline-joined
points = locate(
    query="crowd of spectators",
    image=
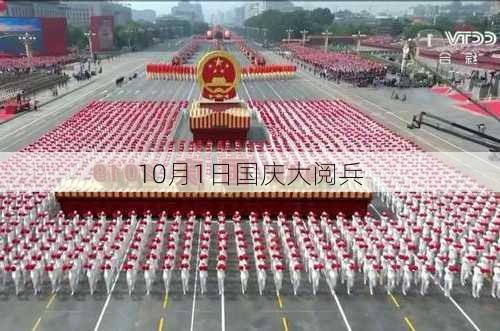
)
(51, 64)
(347, 67)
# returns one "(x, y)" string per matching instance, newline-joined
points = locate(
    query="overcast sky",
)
(211, 7)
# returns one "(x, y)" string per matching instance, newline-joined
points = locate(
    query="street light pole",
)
(89, 36)
(304, 33)
(289, 31)
(27, 39)
(358, 37)
(327, 33)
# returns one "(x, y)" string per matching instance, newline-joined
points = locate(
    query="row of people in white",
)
(395, 251)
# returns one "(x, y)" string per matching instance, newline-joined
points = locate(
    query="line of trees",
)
(139, 35)
(275, 24)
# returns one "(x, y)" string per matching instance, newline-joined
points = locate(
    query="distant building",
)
(48, 9)
(282, 6)
(122, 15)
(252, 9)
(147, 15)
(20, 9)
(425, 10)
(188, 11)
(77, 13)
(35, 9)
(239, 15)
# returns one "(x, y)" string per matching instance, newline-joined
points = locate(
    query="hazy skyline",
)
(212, 7)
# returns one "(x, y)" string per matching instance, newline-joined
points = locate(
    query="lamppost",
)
(27, 39)
(358, 37)
(327, 33)
(304, 34)
(289, 31)
(129, 34)
(89, 36)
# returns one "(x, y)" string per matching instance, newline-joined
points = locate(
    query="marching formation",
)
(267, 72)
(165, 71)
(252, 55)
(417, 249)
(186, 52)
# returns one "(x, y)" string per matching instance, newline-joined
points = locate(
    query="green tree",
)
(321, 16)
(397, 27)
(76, 37)
(411, 31)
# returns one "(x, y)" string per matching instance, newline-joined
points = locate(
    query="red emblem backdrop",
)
(219, 75)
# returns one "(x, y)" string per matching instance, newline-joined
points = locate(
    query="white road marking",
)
(154, 91)
(473, 169)
(348, 326)
(49, 113)
(120, 92)
(274, 90)
(196, 277)
(191, 91)
(389, 112)
(246, 91)
(137, 92)
(442, 289)
(337, 301)
(101, 315)
(223, 313)
(462, 311)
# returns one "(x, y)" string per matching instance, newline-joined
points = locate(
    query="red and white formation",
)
(37, 62)
(252, 55)
(408, 249)
(425, 235)
(165, 71)
(185, 254)
(113, 126)
(204, 248)
(54, 249)
(241, 251)
(222, 254)
(346, 64)
(270, 71)
(186, 52)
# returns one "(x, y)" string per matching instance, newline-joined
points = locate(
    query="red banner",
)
(101, 28)
(54, 42)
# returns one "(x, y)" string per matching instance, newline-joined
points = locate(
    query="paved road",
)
(234, 311)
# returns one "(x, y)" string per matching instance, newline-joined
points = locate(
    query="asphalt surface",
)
(235, 311)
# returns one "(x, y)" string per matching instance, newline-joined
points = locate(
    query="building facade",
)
(146, 15)
(77, 13)
(188, 11)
